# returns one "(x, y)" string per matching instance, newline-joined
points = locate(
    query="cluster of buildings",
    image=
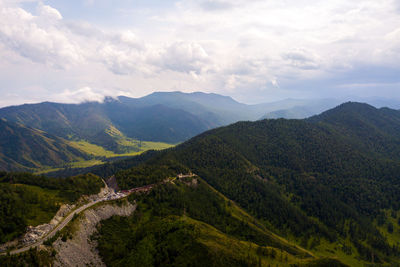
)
(33, 234)
(115, 195)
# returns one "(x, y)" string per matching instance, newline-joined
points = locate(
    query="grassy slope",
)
(133, 148)
(171, 214)
(394, 236)
(99, 151)
(240, 214)
(324, 250)
(221, 243)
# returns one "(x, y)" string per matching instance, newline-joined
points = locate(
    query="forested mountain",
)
(330, 183)
(124, 126)
(22, 148)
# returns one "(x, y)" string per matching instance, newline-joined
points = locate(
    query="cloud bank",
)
(253, 50)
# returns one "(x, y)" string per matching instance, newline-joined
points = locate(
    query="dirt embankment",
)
(80, 250)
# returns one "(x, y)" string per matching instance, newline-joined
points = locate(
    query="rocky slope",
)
(80, 250)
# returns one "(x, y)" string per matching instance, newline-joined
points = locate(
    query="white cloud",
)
(77, 96)
(47, 12)
(38, 38)
(235, 46)
(183, 57)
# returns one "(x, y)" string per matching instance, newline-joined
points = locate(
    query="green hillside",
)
(323, 183)
(134, 147)
(183, 223)
(28, 149)
(324, 191)
(99, 155)
(188, 223)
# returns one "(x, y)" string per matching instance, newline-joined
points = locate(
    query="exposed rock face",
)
(34, 233)
(80, 250)
(61, 213)
(112, 183)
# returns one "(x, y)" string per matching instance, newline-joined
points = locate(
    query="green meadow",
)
(99, 153)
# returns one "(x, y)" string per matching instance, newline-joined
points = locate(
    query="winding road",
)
(57, 228)
(67, 219)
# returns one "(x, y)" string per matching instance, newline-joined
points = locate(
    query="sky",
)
(255, 51)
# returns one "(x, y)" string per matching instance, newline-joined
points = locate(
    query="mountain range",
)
(117, 126)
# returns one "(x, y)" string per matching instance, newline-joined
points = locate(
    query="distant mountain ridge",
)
(217, 109)
(169, 117)
(303, 109)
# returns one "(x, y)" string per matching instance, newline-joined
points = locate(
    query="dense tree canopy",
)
(327, 177)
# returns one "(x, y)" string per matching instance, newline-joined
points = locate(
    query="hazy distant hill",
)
(292, 113)
(222, 110)
(94, 121)
(22, 148)
(155, 123)
(300, 109)
(216, 109)
(304, 108)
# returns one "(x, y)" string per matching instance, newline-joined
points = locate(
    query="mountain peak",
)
(355, 105)
(198, 94)
(346, 109)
